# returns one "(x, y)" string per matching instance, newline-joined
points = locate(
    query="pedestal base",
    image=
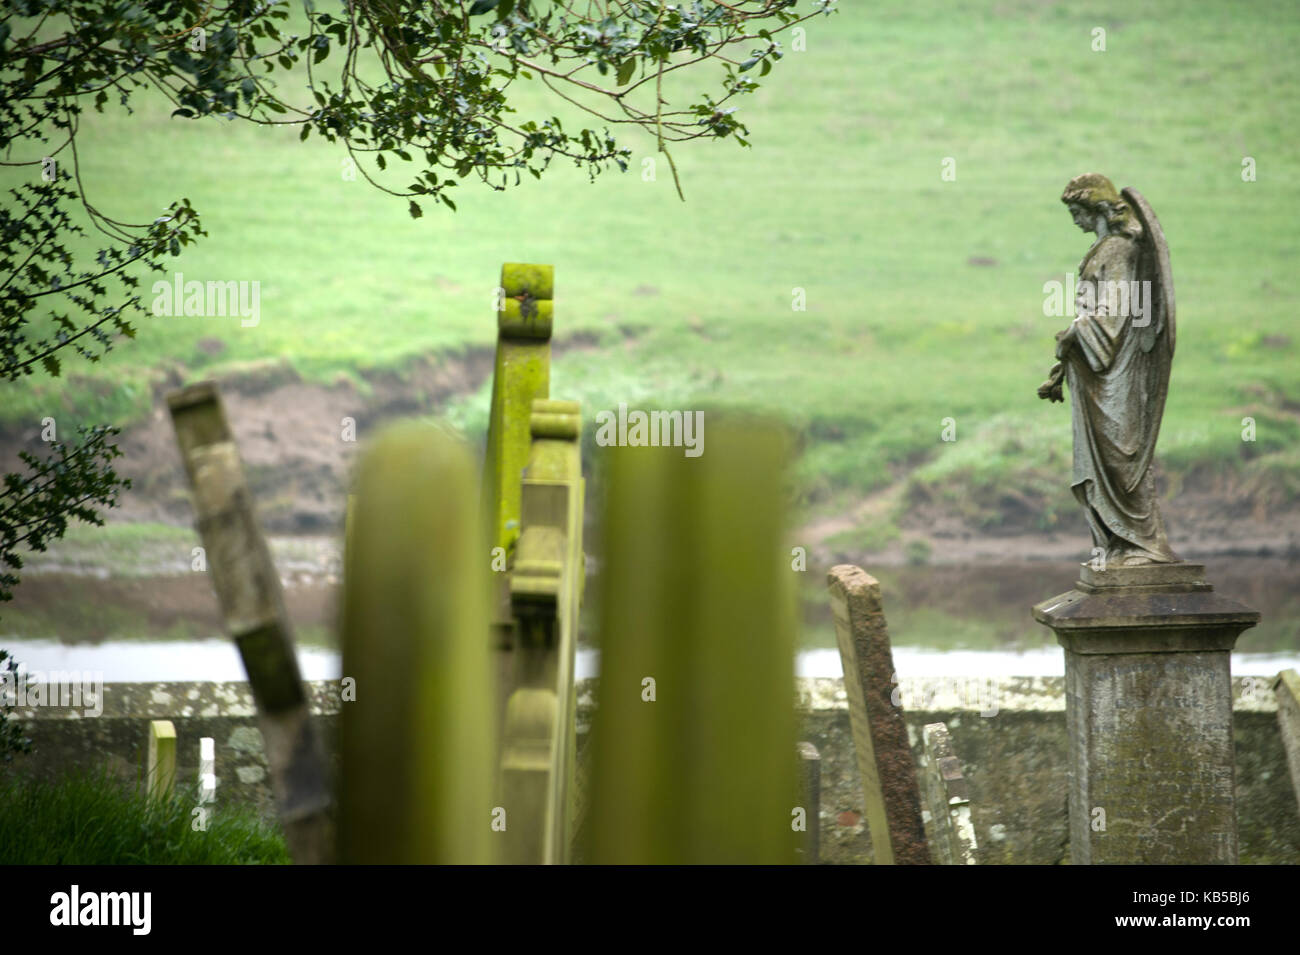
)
(1149, 714)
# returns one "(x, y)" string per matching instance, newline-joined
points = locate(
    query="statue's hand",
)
(1051, 388)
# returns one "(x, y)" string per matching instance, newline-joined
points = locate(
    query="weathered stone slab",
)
(810, 791)
(893, 804)
(1287, 690)
(1149, 719)
(947, 798)
(1169, 578)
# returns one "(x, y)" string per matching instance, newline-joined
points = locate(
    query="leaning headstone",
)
(417, 744)
(810, 792)
(252, 605)
(694, 732)
(947, 798)
(160, 773)
(1149, 714)
(885, 762)
(1287, 690)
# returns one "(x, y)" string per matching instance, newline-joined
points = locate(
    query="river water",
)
(948, 620)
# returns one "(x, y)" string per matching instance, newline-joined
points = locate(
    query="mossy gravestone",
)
(539, 744)
(161, 765)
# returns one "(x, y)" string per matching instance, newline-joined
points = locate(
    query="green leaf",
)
(625, 71)
(482, 6)
(380, 161)
(415, 210)
(765, 68)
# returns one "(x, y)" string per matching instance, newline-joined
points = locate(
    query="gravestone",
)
(947, 798)
(521, 375)
(161, 760)
(1287, 690)
(252, 606)
(693, 736)
(889, 787)
(810, 791)
(1149, 714)
(417, 743)
(539, 743)
(207, 770)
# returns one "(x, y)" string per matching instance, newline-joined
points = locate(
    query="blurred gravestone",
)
(417, 744)
(694, 733)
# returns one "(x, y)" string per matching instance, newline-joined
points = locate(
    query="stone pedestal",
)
(1149, 714)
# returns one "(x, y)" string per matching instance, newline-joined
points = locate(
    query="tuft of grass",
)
(91, 817)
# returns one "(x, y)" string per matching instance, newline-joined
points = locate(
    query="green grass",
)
(841, 196)
(94, 818)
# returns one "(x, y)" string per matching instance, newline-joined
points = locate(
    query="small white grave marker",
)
(207, 770)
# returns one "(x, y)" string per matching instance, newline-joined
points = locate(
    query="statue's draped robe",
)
(1118, 374)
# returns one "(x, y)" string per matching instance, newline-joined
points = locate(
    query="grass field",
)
(842, 197)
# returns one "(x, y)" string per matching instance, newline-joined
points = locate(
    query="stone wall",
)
(1014, 755)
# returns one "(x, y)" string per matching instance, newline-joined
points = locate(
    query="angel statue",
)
(1116, 356)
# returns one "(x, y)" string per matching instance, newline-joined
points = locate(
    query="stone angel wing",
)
(1154, 267)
